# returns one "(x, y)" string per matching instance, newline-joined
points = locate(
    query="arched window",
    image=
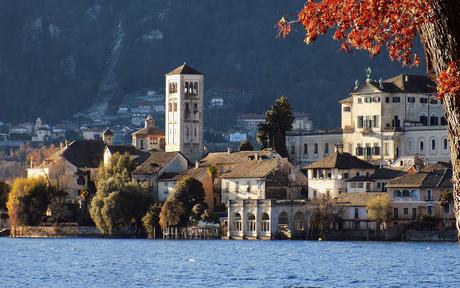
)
(421, 145)
(326, 148)
(186, 88)
(434, 120)
(195, 88)
(396, 193)
(298, 221)
(265, 222)
(315, 148)
(305, 148)
(237, 222)
(283, 219)
(251, 225)
(445, 144)
(424, 119)
(433, 144)
(405, 193)
(410, 146)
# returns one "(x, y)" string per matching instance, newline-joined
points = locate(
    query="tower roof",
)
(107, 132)
(184, 69)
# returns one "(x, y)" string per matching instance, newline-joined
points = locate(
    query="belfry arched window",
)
(195, 88)
(186, 88)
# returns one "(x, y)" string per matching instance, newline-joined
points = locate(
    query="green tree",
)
(4, 191)
(151, 220)
(379, 210)
(188, 192)
(172, 214)
(28, 201)
(278, 120)
(120, 165)
(246, 145)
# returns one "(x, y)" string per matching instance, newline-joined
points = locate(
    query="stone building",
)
(381, 121)
(184, 112)
(150, 137)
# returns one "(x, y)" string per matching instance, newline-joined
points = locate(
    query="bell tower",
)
(184, 112)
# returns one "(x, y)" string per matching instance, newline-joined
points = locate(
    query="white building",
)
(383, 120)
(184, 112)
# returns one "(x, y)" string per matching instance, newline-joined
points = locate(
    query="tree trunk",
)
(441, 40)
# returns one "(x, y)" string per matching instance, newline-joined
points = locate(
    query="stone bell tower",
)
(184, 112)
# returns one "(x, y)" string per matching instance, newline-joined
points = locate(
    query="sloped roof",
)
(192, 173)
(184, 69)
(437, 166)
(107, 132)
(398, 84)
(361, 178)
(156, 161)
(356, 199)
(252, 169)
(131, 150)
(149, 131)
(440, 178)
(385, 173)
(82, 153)
(225, 158)
(341, 161)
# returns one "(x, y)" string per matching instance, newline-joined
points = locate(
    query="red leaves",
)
(448, 81)
(365, 24)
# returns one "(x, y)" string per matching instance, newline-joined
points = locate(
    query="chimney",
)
(406, 78)
(381, 83)
(197, 164)
(256, 156)
(61, 145)
(229, 150)
(339, 148)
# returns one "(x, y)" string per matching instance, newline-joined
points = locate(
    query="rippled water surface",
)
(146, 263)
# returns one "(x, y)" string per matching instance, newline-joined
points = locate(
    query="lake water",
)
(147, 263)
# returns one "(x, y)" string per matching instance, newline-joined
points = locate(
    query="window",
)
(237, 187)
(360, 121)
(186, 88)
(433, 144)
(445, 144)
(424, 120)
(175, 106)
(142, 144)
(433, 120)
(251, 224)
(433, 101)
(430, 210)
(429, 195)
(395, 213)
(305, 148)
(406, 211)
(237, 222)
(360, 185)
(345, 175)
(292, 149)
(376, 150)
(356, 213)
(414, 194)
(375, 121)
(328, 193)
(443, 120)
(326, 148)
(421, 146)
(396, 99)
(387, 99)
(195, 88)
(406, 193)
(265, 222)
(81, 180)
(411, 99)
(315, 194)
(298, 221)
(410, 146)
(386, 148)
(283, 219)
(360, 100)
(315, 148)
(248, 186)
(423, 100)
(414, 213)
(346, 109)
(170, 107)
(396, 194)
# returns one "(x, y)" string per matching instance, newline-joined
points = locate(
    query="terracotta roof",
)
(341, 161)
(82, 153)
(387, 173)
(347, 100)
(184, 69)
(434, 179)
(437, 166)
(361, 178)
(252, 169)
(193, 173)
(356, 199)
(131, 150)
(225, 158)
(149, 131)
(156, 161)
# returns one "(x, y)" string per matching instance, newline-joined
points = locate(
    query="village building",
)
(149, 138)
(382, 121)
(267, 219)
(184, 112)
(329, 176)
(158, 167)
(417, 195)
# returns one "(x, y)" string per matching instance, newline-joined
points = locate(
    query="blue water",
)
(147, 263)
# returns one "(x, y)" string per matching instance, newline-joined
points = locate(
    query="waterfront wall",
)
(431, 236)
(54, 231)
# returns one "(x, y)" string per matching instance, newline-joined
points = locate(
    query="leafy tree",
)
(323, 213)
(188, 192)
(118, 166)
(246, 145)
(60, 212)
(278, 120)
(197, 211)
(4, 190)
(379, 210)
(151, 219)
(172, 214)
(28, 201)
(371, 25)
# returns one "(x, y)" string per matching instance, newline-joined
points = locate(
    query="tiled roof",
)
(156, 161)
(356, 199)
(437, 166)
(398, 84)
(252, 169)
(122, 149)
(184, 69)
(435, 179)
(192, 173)
(82, 153)
(225, 158)
(149, 131)
(361, 178)
(387, 173)
(341, 161)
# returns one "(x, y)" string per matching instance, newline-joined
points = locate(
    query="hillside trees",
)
(372, 25)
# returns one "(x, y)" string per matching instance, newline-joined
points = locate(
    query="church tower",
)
(184, 112)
